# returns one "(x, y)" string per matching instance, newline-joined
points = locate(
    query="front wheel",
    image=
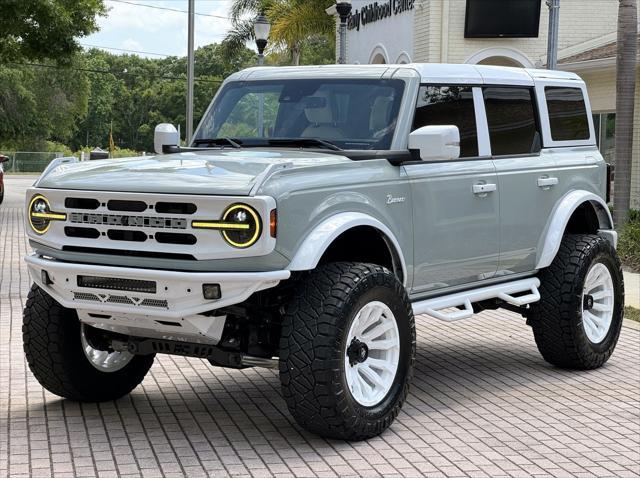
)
(576, 323)
(347, 350)
(68, 358)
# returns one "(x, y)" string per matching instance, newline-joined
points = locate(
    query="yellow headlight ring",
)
(50, 216)
(224, 225)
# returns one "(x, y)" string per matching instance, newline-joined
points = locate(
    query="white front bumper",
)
(178, 294)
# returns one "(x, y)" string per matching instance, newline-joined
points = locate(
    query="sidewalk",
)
(632, 289)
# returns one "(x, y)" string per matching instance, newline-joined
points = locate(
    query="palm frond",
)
(240, 8)
(295, 21)
(237, 38)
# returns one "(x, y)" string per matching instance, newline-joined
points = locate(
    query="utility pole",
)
(190, 70)
(552, 42)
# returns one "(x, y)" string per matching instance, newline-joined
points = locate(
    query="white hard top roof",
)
(428, 73)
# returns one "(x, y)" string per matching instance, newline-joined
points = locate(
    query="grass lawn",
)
(632, 314)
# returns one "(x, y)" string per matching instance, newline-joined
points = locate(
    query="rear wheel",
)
(347, 350)
(577, 321)
(67, 357)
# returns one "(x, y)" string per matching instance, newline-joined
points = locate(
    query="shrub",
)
(629, 242)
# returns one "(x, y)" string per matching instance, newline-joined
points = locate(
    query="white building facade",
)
(500, 32)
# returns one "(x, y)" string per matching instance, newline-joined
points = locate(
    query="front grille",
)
(175, 208)
(86, 296)
(126, 206)
(120, 299)
(175, 238)
(131, 236)
(111, 222)
(84, 232)
(81, 203)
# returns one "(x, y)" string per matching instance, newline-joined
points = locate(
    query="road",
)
(14, 189)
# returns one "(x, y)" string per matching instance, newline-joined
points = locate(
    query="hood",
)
(226, 173)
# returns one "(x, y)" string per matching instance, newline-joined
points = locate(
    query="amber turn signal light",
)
(273, 223)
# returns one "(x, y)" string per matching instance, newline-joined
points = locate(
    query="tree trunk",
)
(295, 54)
(625, 102)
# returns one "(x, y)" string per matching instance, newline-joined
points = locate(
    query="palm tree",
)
(625, 100)
(292, 23)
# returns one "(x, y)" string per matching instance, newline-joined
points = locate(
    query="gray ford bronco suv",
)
(316, 212)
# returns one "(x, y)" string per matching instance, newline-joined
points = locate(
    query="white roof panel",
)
(437, 73)
(447, 73)
(504, 75)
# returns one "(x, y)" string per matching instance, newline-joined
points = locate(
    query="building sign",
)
(378, 11)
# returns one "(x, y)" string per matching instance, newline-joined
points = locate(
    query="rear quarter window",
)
(567, 113)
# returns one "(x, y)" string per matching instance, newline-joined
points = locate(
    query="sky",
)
(130, 25)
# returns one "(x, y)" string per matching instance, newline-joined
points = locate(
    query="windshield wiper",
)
(219, 141)
(302, 142)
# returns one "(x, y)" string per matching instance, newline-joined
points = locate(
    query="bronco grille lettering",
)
(128, 221)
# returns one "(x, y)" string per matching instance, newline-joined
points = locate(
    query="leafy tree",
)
(293, 23)
(39, 29)
(38, 104)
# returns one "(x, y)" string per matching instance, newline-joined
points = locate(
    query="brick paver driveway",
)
(483, 403)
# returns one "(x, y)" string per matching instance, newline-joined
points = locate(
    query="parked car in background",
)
(3, 159)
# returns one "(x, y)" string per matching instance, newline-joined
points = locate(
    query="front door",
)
(455, 202)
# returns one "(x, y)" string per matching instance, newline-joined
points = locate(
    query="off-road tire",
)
(312, 347)
(556, 319)
(52, 345)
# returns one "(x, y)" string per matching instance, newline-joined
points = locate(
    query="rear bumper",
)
(177, 294)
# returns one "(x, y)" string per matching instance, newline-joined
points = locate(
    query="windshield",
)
(350, 114)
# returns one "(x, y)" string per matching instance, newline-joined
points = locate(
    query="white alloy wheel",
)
(597, 303)
(372, 353)
(104, 360)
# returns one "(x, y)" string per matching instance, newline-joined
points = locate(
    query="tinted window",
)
(567, 114)
(512, 120)
(449, 105)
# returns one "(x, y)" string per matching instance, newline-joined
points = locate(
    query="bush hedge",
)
(629, 242)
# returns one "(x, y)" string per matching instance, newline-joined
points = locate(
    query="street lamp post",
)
(190, 70)
(344, 10)
(552, 42)
(261, 29)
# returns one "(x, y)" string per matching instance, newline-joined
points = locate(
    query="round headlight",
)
(40, 214)
(242, 226)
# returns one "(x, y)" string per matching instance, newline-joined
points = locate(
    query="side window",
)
(449, 105)
(512, 121)
(567, 113)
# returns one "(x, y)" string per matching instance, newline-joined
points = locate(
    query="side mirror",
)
(3, 158)
(165, 134)
(436, 143)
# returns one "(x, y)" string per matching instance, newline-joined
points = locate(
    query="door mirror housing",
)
(3, 158)
(436, 143)
(165, 134)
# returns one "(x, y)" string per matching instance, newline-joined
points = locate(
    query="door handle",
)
(547, 182)
(484, 188)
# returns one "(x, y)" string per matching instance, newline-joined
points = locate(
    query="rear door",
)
(527, 178)
(455, 228)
